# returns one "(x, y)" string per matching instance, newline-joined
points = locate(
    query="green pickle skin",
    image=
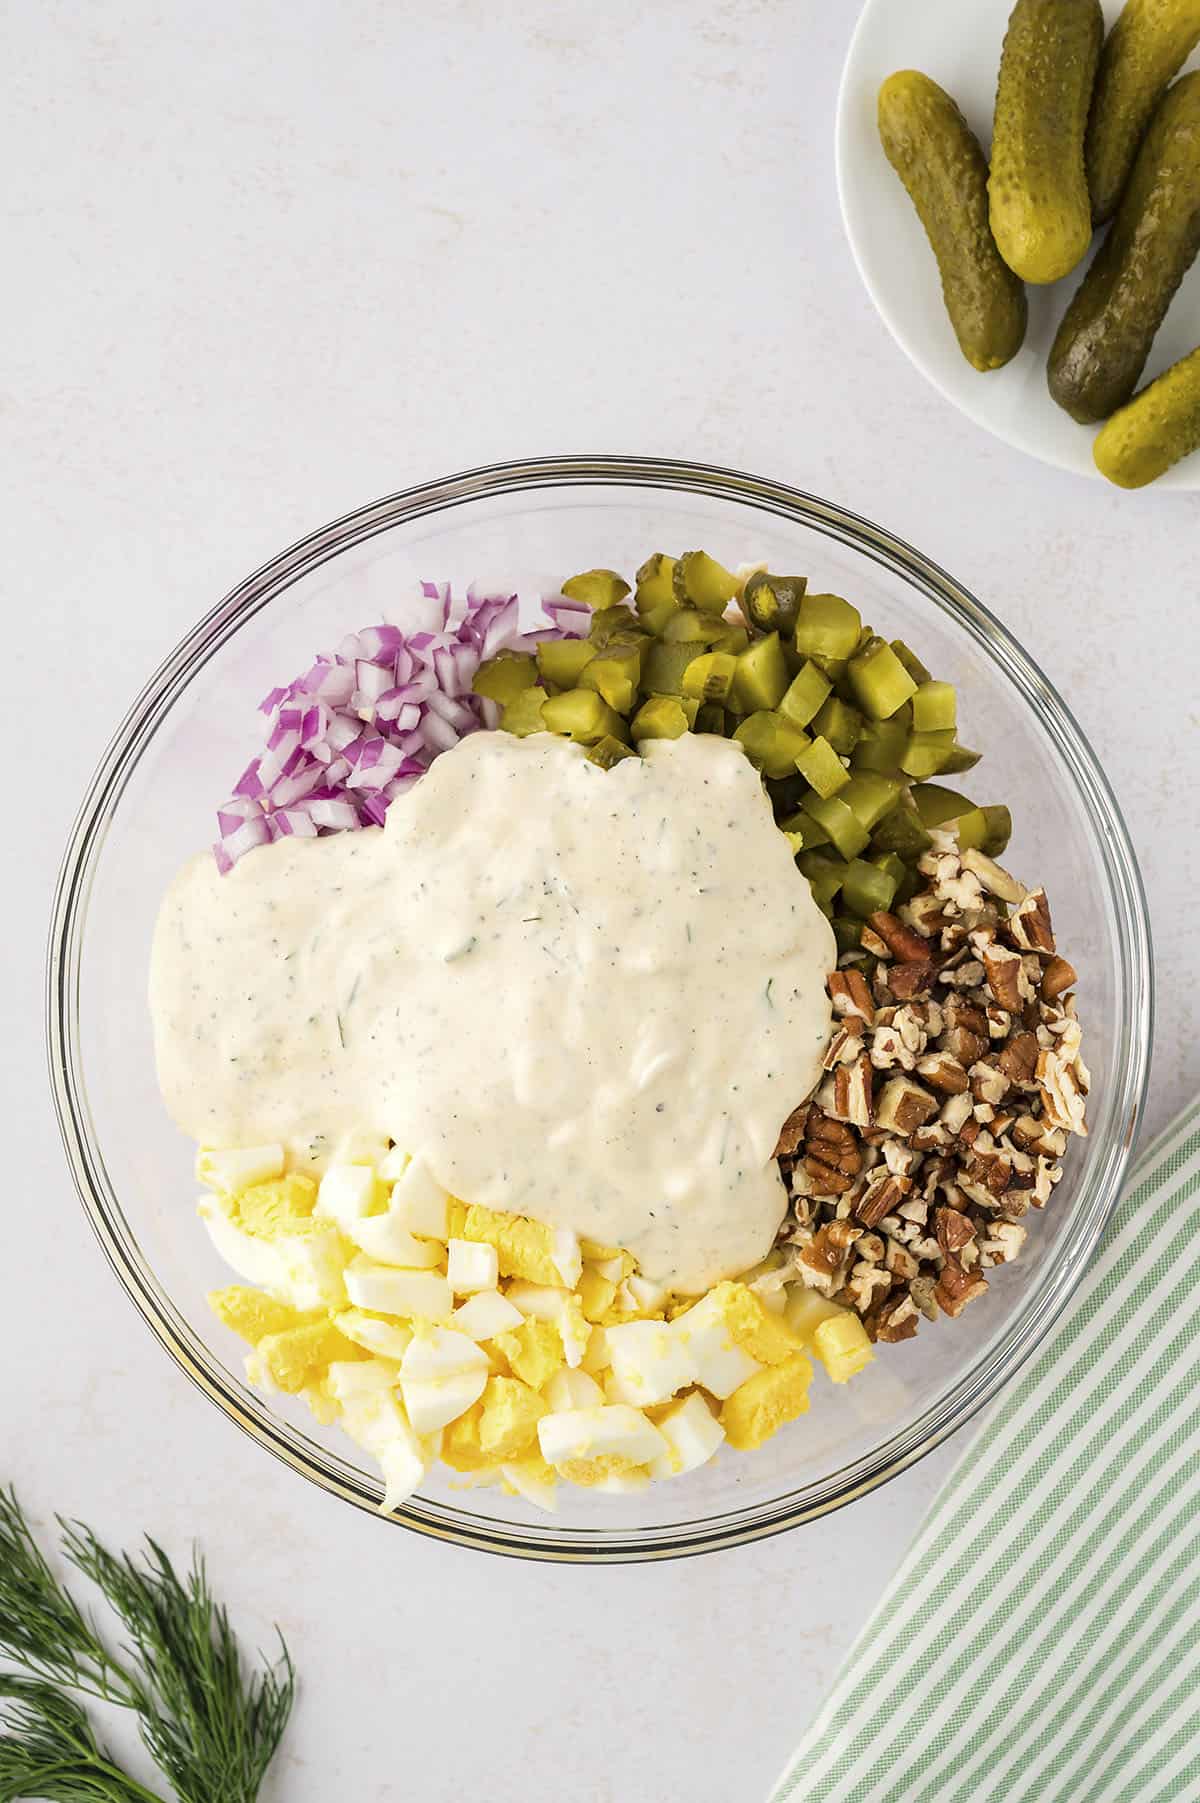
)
(1156, 429)
(1146, 48)
(1101, 348)
(938, 158)
(1039, 205)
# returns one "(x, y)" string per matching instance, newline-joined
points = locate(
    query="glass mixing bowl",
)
(526, 525)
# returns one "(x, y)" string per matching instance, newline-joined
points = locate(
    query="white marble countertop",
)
(264, 263)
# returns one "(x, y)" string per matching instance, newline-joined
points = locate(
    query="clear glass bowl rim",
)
(1107, 1160)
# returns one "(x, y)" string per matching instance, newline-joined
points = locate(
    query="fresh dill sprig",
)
(211, 1728)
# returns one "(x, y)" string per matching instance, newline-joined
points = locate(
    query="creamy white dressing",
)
(586, 996)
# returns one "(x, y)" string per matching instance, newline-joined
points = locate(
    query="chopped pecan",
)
(852, 1092)
(844, 1047)
(831, 1155)
(991, 1169)
(895, 1319)
(850, 995)
(900, 940)
(1028, 927)
(908, 980)
(924, 913)
(1001, 1243)
(1018, 1059)
(884, 1193)
(904, 1106)
(1057, 977)
(988, 1082)
(825, 1257)
(1063, 1103)
(953, 1230)
(995, 880)
(1003, 969)
(941, 1070)
(956, 1286)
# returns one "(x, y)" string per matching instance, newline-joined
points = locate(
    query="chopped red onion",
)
(364, 722)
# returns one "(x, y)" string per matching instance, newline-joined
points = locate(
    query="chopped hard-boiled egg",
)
(346, 1193)
(486, 1314)
(650, 1360)
(421, 1203)
(385, 1238)
(388, 1290)
(692, 1433)
(472, 1266)
(559, 1362)
(614, 1430)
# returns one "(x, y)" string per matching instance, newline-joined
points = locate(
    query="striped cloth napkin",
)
(1041, 1641)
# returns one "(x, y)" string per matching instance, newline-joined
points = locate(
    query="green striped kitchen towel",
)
(1041, 1641)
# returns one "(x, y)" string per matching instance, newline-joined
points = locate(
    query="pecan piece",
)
(852, 1092)
(896, 1318)
(943, 1071)
(825, 1257)
(1028, 926)
(1003, 969)
(831, 1155)
(1018, 1059)
(1057, 977)
(903, 1106)
(900, 940)
(956, 1286)
(995, 880)
(883, 1195)
(850, 995)
(791, 1134)
(908, 980)
(953, 1230)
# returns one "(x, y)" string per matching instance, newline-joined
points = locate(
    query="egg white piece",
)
(471, 1266)
(484, 1315)
(346, 1193)
(692, 1433)
(385, 1238)
(614, 1430)
(423, 1204)
(649, 1361)
(388, 1290)
(720, 1364)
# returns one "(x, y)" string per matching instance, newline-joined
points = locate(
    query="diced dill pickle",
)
(825, 874)
(662, 717)
(771, 742)
(654, 585)
(616, 673)
(582, 715)
(880, 682)
(710, 717)
(847, 933)
(787, 793)
(958, 759)
(827, 626)
(599, 588)
(881, 745)
(946, 808)
(662, 672)
(820, 765)
(710, 677)
(803, 827)
(806, 692)
(656, 618)
(901, 832)
(845, 829)
(999, 830)
(610, 621)
(936, 805)
(563, 661)
(926, 753)
(840, 723)
(934, 708)
(761, 680)
(687, 627)
(691, 708)
(609, 751)
(911, 662)
(867, 889)
(895, 867)
(504, 677)
(870, 796)
(772, 603)
(523, 715)
(700, 581)
(733, 638)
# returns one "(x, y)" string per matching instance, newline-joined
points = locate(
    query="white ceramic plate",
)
(958, 44)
